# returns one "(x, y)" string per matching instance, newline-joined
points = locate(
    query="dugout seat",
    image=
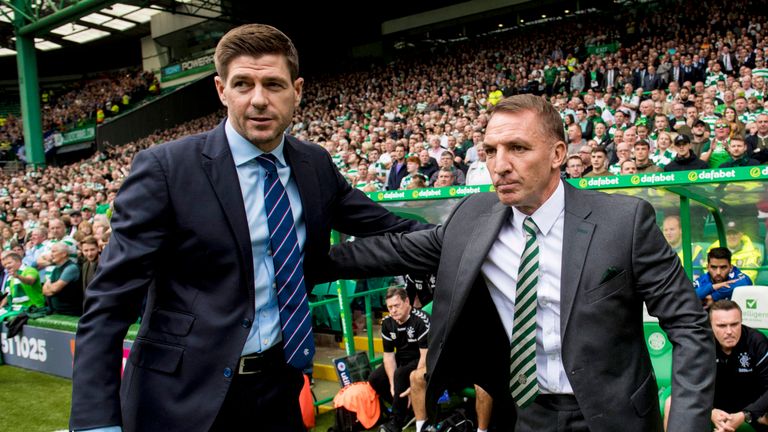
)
(753, 301)
(660, 350)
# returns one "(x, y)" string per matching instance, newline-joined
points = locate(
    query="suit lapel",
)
(487, 227)
(222, 174)
(577, 234)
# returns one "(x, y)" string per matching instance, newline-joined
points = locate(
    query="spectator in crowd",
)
(642, 161)
(598, 163)
(574, 166)
(737, 150)
(685, 159)
(477, 173)
(758, 143)
(428, 165)
(741, 383)
(58, 234)
(446, 162)
(34, 247)
(628, 167)
(700, 137)
(445, 177)
(399, 168)
(22, 283)
(62, 287)
(404, 335)
(717, 152)
(721, 277)
(412, 164)
(20, 234)
(575, 138)
(745, 253)
(585, 153)
(673, 233)
(89, 247)
(624, 153)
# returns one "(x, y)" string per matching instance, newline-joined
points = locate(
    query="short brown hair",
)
(91, 240)
(550, 124)
(396, 292)
(723, 305)
(255, 40)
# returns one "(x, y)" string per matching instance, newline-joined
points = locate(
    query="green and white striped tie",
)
(523, 383)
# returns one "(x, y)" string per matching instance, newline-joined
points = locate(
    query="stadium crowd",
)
(638, 91)
(79, 104)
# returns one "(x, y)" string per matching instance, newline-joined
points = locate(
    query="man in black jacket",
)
(686, 159)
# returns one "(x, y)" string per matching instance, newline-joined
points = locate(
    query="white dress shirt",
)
(500, 273)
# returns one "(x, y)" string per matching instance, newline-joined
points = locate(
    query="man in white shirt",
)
(478, 174)
(558, 276)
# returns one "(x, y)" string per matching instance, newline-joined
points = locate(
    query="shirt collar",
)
(546, 215)
(243, 151)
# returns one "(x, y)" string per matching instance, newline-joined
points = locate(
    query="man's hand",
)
(726, 284)
(407, 393)
(734, 421)
(720, 420)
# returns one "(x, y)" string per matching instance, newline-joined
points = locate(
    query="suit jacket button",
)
(227, 373)
(246, 323)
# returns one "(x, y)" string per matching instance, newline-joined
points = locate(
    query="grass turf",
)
(33, 401)
(37, 402)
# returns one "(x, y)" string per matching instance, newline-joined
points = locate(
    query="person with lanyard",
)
(717, 152)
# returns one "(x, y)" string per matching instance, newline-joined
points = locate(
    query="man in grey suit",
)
(582, 263)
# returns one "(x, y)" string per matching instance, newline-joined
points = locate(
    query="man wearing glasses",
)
(717, 152)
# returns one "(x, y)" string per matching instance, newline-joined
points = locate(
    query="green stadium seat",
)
(660, 350)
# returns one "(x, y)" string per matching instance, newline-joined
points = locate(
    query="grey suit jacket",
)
(603, 347)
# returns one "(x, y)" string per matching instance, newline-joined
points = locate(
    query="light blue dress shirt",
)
(266, 330)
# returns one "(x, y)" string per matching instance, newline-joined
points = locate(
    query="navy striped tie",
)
(298, 342)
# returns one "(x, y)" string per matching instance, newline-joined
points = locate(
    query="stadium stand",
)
(617, 69)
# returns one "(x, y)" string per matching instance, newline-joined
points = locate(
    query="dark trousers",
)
(551, 413)
(380, 382)
(266, 401)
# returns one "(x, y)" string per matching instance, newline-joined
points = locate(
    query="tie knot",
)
(268, 162)
(530, 226)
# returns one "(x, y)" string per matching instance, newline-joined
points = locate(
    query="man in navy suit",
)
(199, 229)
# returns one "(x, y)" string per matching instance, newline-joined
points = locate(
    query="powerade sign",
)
(188, 67)
(44, 350)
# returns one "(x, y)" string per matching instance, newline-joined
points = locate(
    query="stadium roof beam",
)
(61, 16)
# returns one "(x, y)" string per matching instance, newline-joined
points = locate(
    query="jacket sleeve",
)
(355, 214)
(668, 293)
(113, 300)
(703, 286)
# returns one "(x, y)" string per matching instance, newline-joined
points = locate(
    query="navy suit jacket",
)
(180, 237)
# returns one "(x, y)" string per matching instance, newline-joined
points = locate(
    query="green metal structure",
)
(34, 18)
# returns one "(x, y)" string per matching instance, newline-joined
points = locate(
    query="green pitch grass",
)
(33, 401)
(37, 402)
